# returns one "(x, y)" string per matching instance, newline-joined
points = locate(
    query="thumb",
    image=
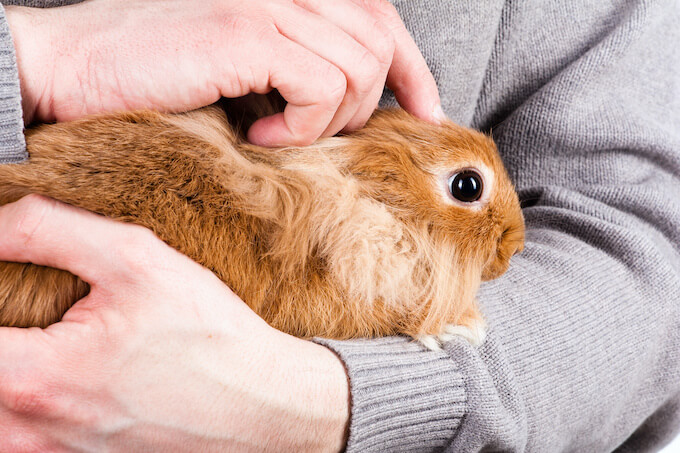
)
(46, 232)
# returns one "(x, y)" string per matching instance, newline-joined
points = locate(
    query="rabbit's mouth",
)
(510, 242)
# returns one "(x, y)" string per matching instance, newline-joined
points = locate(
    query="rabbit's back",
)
(293, 232)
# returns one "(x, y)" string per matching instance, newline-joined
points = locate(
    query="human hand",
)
(160, 355)
(328, 59)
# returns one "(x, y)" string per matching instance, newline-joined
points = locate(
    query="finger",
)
(367, 31)
(330, 42)
(313, 88)
(43, 231)
(409, 77)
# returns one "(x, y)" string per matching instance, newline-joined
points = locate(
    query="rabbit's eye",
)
(466, 186)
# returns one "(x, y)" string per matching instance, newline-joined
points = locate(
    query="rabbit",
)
(385, 231)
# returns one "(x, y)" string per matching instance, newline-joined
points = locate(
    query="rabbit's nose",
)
(519, 247)
(512, 239)
(510, 242)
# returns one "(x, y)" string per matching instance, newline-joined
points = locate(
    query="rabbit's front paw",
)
(475, 333)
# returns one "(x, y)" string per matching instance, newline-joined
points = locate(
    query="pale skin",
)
(329, 60)
(161, 355)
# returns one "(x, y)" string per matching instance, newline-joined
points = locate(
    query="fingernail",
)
(438, 114)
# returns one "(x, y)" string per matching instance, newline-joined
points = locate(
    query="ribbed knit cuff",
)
(404, 397)
(12, 142)
(41, 3)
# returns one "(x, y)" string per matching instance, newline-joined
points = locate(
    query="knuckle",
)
(335, 87)
(383, 44)
(368, 69)
(32, 211)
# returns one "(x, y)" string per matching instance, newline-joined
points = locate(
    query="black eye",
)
(466, 186)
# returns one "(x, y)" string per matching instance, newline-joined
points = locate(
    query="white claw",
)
(431, 342)
(474, 334)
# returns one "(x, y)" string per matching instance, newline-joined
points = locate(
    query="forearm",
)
(310, 411)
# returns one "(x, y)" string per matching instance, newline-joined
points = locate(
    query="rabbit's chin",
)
(474, 333)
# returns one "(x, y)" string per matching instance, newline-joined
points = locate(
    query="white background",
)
(674, 447)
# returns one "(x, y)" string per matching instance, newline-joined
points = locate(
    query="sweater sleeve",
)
(583, 351)
(12, 143)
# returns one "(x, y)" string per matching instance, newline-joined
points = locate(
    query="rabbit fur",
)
(352, 236)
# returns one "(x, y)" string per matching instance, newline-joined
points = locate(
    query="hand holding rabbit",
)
(389, 230)
(329, 60)
(200, 376)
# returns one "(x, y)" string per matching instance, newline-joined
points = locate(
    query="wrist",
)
(315, 382)
(30, 29)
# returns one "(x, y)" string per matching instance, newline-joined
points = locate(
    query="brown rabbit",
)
(386, 231)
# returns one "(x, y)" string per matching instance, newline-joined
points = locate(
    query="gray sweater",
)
(583, 352)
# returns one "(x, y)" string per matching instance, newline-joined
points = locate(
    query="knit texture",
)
(40, 3)
(408, 400)
(12, 143)
(583, 350)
